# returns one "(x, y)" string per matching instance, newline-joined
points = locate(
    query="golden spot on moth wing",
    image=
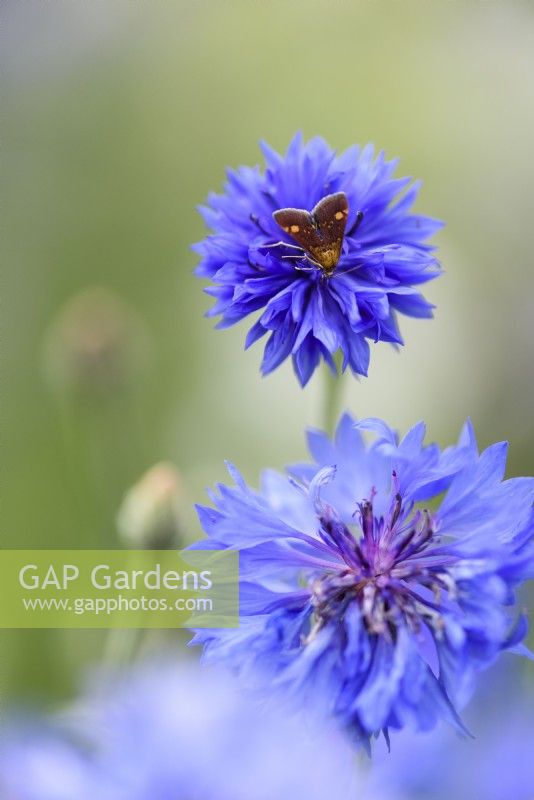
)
(293, 229)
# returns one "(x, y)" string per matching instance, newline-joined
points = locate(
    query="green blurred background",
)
(118, 119)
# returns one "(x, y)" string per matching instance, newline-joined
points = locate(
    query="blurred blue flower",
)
(496, 765)
(312, 310)
(168, 731)
(172, 731)
(38, 761)
(356, 590)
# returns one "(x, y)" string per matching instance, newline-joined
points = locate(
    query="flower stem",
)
(332, 395)
(121, 646)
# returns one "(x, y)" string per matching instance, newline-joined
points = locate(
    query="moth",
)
(318, 232)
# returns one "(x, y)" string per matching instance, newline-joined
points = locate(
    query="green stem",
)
(332, 395)
(121, 646)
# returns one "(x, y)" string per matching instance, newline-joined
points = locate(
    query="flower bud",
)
(96, 346)
(149, 516)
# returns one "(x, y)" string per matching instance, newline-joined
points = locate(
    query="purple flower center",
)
(393, 570)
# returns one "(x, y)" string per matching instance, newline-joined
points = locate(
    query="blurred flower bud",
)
(149, 516)
(96, 346)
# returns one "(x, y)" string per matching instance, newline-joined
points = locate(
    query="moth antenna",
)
(357, 223)
(346, 271)
(285, 244)
(303, 269)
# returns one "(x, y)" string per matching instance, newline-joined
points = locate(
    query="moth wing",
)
(300, 225)
(330, 215)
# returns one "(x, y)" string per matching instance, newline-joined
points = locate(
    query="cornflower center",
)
(392, 570)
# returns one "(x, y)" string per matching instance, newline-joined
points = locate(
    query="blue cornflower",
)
(169, 731)
(172, 731)
(325, 281)
(38, 761)
(360, 587)
(496, 765)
